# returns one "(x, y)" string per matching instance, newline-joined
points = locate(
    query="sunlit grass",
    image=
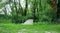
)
(15, 28)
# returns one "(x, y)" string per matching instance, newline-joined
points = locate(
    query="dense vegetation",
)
(39, 10)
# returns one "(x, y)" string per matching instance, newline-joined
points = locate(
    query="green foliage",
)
(40, 10)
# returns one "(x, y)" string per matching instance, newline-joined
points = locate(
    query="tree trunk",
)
(26, 7)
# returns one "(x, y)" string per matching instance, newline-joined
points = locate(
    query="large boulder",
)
(29, 22)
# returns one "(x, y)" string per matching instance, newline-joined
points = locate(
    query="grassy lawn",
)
(18, 28)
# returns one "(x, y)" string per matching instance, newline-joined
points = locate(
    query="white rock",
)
(29, 21)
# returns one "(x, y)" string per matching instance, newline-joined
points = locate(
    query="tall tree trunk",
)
(26, 7)
(58, 9)
(16, 16)
(34, 10)
(5, 11)
(20, 9)
(12, 13)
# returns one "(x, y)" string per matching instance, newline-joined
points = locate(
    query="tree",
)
(26, 7)
(34, 9)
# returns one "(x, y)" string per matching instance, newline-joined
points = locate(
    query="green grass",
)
(15, 28)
